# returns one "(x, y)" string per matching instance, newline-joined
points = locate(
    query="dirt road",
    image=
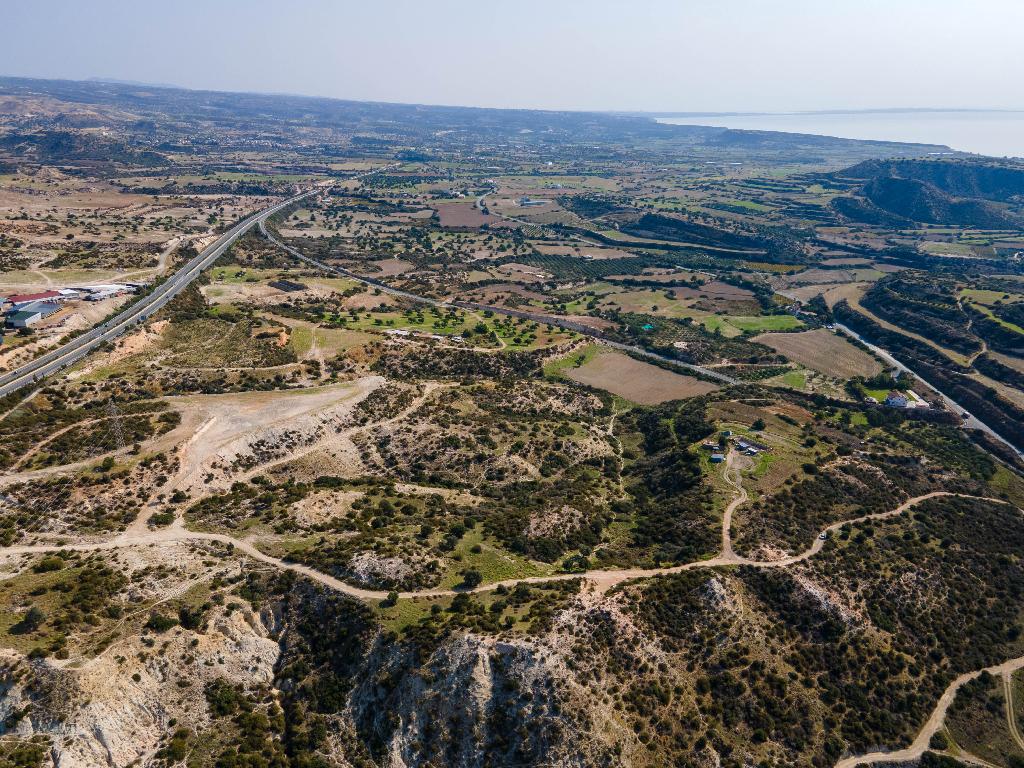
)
(230, 424)
(731, 474)
(938, 717)
(1011, 714)
(602, 580)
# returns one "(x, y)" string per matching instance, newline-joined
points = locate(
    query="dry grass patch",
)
(823, 351)
(640, 382)
(463, 215)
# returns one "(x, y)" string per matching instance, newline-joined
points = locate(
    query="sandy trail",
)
(47, 281)
(1011, 715)
(164, 258)
(602, 579)
(60, 470)
(731, 474)
(236, 416)
(229, 419)
(920, 744)
(970, 324)
(20, 403)
(228, 424)
(35, 449)
(429, 389)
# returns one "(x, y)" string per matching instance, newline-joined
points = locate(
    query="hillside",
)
(511, 439)
(985, 179)
(48, 113)
(920, 201)
(959, 192)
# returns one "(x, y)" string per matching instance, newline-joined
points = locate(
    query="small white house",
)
(896, 399)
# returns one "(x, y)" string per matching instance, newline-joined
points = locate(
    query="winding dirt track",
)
(601, 579)
(920, 744)
(139, 534)
(731, 474)
(1011, 715)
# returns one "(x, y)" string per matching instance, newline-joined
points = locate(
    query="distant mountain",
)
(921, 201)
(963, 192)
(134, 83)
(864, 211)
(160, 116)
(989, 180)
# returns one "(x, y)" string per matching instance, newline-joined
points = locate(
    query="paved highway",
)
(972, 422)
(79, 347)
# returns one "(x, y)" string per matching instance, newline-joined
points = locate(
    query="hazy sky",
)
(678, 55)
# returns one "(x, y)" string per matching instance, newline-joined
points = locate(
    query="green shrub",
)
(160, 623)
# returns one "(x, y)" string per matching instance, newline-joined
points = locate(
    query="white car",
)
(823, 535)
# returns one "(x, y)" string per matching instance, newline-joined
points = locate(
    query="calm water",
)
(1000, 134)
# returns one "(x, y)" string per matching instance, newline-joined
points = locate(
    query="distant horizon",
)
(575, 55)
(838, 111)
(125, 81)
(988, 132)
(976, 130)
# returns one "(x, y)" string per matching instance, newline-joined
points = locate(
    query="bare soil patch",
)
(522, 273)
(229, 293)
(323, 507)
(463, 215)
(597, 323)
(714, 290)
(833, 294)
(595, 252)
(847, 262)
(822, 351)
(640, 382)
(668, 277)
(241, 432)
(392, 267)
(494, 294)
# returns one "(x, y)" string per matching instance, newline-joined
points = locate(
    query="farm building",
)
(916, 401)
(19, 300)
(101, 292)
(30, 314)
(751, 447)
(22, 318)
(717, 458)
(287, 285)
